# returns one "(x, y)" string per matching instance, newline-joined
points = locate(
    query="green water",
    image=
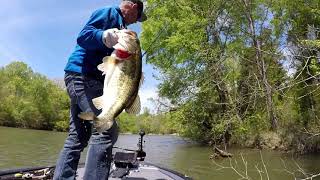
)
(26, 148)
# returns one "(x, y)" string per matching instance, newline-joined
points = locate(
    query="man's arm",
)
(93, 36)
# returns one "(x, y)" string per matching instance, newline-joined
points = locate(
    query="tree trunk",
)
(262, 69)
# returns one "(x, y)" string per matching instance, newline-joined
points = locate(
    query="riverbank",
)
(297, 143)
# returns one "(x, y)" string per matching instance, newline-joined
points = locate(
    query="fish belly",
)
(117, 93)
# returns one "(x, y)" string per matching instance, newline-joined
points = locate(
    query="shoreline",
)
(265, 141)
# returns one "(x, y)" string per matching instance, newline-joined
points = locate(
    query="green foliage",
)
(311, 43)
(151, 124)
(30, 100)
(222, 67)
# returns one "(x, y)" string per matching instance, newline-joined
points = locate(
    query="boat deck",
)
(145, 171)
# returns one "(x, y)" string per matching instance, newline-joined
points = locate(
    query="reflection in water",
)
(25, 148)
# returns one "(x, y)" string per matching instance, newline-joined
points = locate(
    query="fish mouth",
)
(123, 54)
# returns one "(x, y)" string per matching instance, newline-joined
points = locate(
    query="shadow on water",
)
(26, 148)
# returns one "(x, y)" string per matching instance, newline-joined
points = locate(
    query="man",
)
(85, 82)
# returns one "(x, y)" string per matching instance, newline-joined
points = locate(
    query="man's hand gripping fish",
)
(123, 72)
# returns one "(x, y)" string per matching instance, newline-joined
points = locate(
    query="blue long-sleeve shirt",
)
(90, 49)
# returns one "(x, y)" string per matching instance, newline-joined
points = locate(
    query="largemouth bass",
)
(123, 72)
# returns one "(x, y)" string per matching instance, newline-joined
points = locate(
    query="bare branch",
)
(264, 166)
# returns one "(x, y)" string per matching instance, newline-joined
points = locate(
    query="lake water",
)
(29, 148)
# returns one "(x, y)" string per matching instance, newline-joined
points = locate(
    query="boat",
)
(127, 164)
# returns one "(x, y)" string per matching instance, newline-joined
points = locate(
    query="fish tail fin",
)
(88, 116)
(101, 127)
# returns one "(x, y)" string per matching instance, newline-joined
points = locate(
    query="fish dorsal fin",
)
(135, 106)
(98, 102)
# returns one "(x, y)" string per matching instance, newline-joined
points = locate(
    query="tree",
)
(30, 100)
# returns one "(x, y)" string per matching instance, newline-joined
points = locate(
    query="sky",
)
(43, 35)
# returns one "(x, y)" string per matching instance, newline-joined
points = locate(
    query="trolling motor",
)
(140, 153)
(124, 161)
(130, 158)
